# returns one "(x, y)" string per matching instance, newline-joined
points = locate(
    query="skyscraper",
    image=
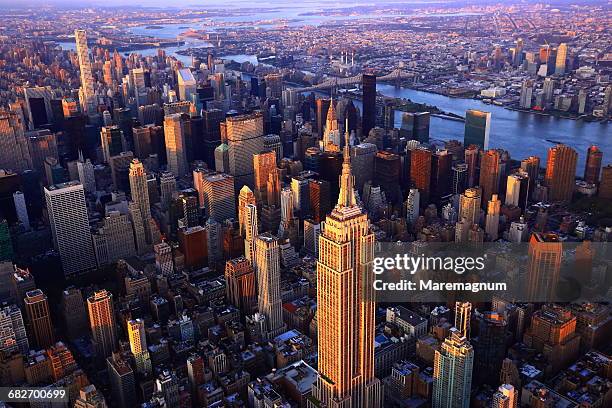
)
(346, 305)
(263, 164)
(477, 128)
(113, 142)
(240, 285)
(138, 346)
(244, 139)
(463, 317)
(490, 170)
(102, 322)
(122, 382)
(416, 126)
(561, 59)
(420, 171)
(140, 195)
(39, 318)
(176, 154)
(453, 366)
(492, 221)
(469, 206)
(592, 167)
(267, 266)
(250, 233)
(560, 172)
(532, 166)
(543, 267)
(69, 223)
(13, 336)
(459, 178)
(368, 86)
(219, 196)
(517, 189)
(472, 161)
(86, 94)
(245, 197)
(14, 153)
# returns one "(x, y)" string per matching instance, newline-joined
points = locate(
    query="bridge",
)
(339, 82)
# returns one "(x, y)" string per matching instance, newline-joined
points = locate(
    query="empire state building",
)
(345, 305)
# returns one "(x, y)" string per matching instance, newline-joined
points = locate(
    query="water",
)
(522, 134)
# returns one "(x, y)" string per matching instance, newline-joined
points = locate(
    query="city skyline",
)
(391, 204)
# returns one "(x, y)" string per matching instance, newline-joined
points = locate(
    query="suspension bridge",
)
(338, 82)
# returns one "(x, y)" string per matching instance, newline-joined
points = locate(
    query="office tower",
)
(120, 169)
(13, 336)
(212, 134)
(560, 172)
(219, 196)
(267, 267)
(167, 187)
(251, 231)
(492, 221)
(192, 241)
(362, 159)
(87, 176)
(240, 285)
(472, 162)
(505, 397)
(114, 239)
(415, 126)
(263, 164)
(517, 189)
(69, 223)
(39, 318)
(469, 206)
(453, 365)
(163, 258)
(245, 197)
(320, 199)
(413, 202)
(543, 268)
(86, 93)
(490, 169)
(605, 186)
(526, 94)
(459, 178)
(463, 317)
(531, 165)
(122, 381)
(331, 133)
(38, 106)
(113, 142)
(461, 230)
(142, 141)
(102, 322)
(489, 346)
(140, 195)
(74, 314)
(301, 201)
(368, 86)
(140, 88)
(477, 128)
(41, 144)
(561, 59)
(592, 167)
(186, 84)
(175, 145)
(321, 108)
(244, 139)
(346, 304)
(198, 183)
(138, 227)
(21, 209)
(138, 346)
(441, 163)
(14, 153)
(548, 89)
(420, 171)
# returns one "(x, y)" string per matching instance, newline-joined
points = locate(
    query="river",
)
(522, 134)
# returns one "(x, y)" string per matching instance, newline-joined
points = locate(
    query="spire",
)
(347, 181)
